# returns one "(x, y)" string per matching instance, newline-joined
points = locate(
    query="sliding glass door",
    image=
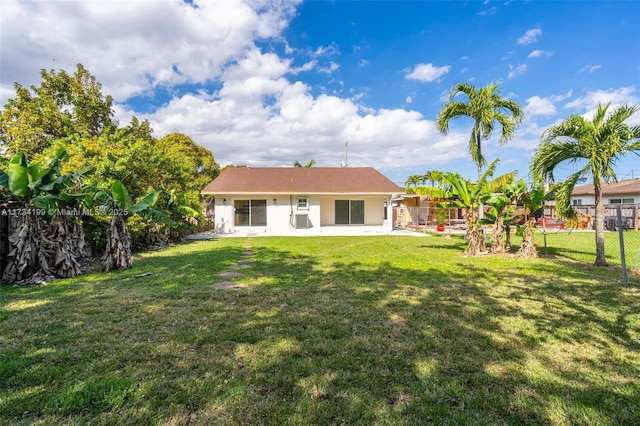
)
(349, 212)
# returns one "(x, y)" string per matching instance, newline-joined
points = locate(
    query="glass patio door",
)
(349, 212)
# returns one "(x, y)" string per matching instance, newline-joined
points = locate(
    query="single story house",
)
(623, 192)
(270, 199)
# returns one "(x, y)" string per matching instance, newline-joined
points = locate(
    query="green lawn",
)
(325, 330)
(581, 246)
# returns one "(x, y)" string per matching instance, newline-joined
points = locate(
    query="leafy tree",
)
(63, 105)
(486, 107)
(194, 168)
(596, 144)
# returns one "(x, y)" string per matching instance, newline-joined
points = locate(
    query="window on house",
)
(303, 203)
(576, 202)
(621, 201)
(250, 212)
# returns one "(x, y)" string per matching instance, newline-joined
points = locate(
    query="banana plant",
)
(462, 193)
(46, 242)
(532, 200)
(118, 204)
(502, 205)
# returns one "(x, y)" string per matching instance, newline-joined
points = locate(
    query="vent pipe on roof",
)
(345, 163)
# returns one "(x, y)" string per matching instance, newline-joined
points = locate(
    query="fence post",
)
(621, 235)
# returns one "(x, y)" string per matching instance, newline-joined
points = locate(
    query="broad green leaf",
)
(158, 216)
(146, 202)
(48, 202)
(121, 195)
(18, 176)
(4, 179)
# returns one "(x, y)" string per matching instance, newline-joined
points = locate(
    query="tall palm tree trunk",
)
(479, 160)
(599, 227)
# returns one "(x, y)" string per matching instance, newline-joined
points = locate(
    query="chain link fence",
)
(622, 237)
(573, 239)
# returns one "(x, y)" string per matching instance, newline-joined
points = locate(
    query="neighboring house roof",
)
(624, 187)
(301, 180)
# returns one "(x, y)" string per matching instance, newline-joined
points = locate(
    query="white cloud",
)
(409, 100)
(491, 11)
(363, 62)
(132, 47)
(298, 125)
(531, 36)
(616, 97)
(305, 67)
(427, 72)
(330, 50)
(540, 106)
(590, 68)
(508, 55)
(516, 70)
(329, 69)
(539, 54)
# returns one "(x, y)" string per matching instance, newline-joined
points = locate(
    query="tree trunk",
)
(599, 227)
(117, 254)
(528, 247)
(479, 164)
(497, 243)
(507, 241)
(66, 243)
(29, 256)
(474, 236)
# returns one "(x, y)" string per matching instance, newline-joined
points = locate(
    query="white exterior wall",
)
(587, 200)
(321, 211)
(373, 209)
(590, 200)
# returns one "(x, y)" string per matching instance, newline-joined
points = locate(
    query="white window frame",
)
(621, 201)
(304, 205)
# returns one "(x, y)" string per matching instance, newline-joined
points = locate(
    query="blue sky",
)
(267, 83)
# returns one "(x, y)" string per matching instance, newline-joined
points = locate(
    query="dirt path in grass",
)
(234, 271)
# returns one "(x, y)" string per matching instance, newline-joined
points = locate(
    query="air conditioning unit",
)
(302, 221)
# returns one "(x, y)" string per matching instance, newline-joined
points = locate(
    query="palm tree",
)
(485, 107)
(309, 163)
(433, 176)
(597, 144)
(414, 180)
